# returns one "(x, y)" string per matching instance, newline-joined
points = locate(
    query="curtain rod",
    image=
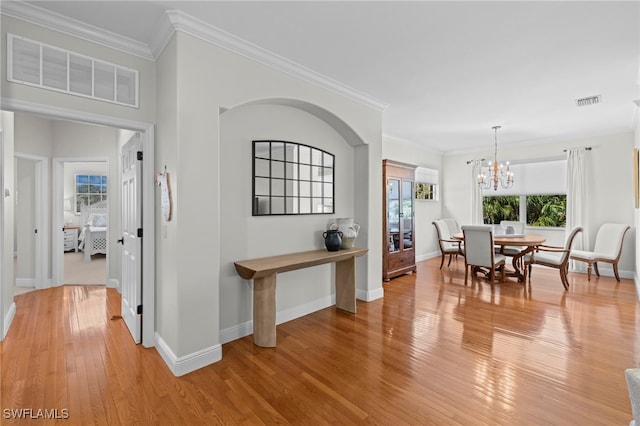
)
(586, 148)
(471, 161)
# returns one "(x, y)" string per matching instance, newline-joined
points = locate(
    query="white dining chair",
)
(479, 252)
(448, 246)
(553, 257)
(608, 249)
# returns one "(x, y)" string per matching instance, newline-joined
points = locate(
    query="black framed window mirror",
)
(291, 178)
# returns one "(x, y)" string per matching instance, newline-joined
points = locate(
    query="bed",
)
(93, 233)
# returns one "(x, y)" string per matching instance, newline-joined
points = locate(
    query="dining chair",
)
(478, 251)
(608, 248)
(448, 246)
(513, 251)
(553, 257)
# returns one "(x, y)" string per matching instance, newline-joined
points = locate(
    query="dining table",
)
(526, 242)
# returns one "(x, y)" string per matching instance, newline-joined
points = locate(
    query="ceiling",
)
(446, 71)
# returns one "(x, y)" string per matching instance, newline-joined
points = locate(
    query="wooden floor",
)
(431, 352)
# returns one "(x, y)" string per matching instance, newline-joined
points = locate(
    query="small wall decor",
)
(162, 179)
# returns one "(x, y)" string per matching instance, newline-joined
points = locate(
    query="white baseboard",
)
(180, 366)
(26, 282)
(239, 331)
(8, 320)
(427, 256)
(606, 272)
(370, 295)
(113, 283)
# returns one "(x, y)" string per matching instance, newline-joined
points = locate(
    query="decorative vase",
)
(332, 239)
(349, 231)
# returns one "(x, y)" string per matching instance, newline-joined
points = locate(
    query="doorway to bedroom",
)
(86, 220)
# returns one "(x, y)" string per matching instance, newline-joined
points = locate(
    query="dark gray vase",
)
(332, 239)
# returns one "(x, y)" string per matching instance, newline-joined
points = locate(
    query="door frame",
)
(41, 253)
(147, 133)
(57, 214)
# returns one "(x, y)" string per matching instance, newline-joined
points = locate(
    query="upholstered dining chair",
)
(478, 251)
(448, 246)
(608, 248)
(518, 228)
(553, 257)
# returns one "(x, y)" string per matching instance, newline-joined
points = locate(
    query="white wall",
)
(610, 179)
(7, 308)
(197, 80)
(426, 211)
(245, 236)
(25, 197)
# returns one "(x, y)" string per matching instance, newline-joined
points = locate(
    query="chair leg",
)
(450, 257)
(563, 278)
(615, 271)
(595, 267)
(442, 260)
(466, 273)
(588, 271)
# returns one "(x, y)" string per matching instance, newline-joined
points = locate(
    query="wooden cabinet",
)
(398, 245)
(71, 238)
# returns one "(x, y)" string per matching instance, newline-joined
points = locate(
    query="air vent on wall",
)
(37, 64)
(589, 100)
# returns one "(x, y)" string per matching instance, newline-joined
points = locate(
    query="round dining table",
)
(527, 243)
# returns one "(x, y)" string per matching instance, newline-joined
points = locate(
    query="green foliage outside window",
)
(541, 210)
(547, 210)
(497, 209)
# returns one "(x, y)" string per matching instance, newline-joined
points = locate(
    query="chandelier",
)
(495, 172)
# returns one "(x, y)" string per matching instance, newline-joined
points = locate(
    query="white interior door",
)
(132, 236)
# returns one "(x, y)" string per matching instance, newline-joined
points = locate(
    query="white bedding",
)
(93, 236)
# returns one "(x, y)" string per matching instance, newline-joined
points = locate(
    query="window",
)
(538, 194)
(540, 210)
(499, 208)
(90, 189)
(427, 181)
(291, 178)
(547, 210)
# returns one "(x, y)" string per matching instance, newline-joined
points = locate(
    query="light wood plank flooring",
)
(431, 352)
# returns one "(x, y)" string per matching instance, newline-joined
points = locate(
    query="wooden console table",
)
(263, 273)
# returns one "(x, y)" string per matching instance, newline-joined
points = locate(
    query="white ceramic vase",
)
(349, 231)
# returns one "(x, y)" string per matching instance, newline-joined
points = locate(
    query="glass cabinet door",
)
(393, 215)
(407, 214)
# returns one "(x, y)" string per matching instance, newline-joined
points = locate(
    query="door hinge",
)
(139, 155)
(139, 310)
(35, 231)
(139, 232)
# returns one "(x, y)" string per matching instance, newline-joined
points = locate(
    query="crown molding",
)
(179, 21)
(36, 15)
(172, 21)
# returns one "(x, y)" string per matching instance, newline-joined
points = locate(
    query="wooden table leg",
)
(264, 311)
(346, 285)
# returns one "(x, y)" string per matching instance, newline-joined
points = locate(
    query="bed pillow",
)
(98, 220)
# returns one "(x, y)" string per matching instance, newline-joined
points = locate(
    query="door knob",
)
(121, 240)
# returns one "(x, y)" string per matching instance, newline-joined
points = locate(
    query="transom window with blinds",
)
(37, 64)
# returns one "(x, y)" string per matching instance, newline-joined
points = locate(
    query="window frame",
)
(104, 195)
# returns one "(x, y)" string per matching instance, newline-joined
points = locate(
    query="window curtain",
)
(577, 198)
(476, 194)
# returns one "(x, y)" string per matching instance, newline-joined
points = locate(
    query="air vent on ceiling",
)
(589, 100)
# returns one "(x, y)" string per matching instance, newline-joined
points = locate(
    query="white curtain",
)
(476, 194)
(577, 197)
